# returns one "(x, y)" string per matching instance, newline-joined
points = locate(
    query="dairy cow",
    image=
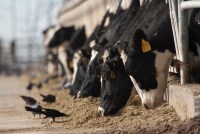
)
(80, 62)
(147, 56)
(116, 85)
(109, 35)
(82, 58)
(148, 53)
(66, 40)
(91, 85)
(58, 37)
(76, 43)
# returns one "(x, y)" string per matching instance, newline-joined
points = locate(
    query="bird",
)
(53, 113)
(29, 100)
(32, 103)
(39, 85)
(37, 107)
(48, 98)
(29, 86)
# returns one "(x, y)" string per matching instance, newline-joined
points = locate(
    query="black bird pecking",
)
(48, 98)
(29, 86)
(47, 112)
(29, 100)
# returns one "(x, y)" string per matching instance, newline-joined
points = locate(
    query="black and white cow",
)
(58, 37)
(92, 85)
(80, 62)
(54, 66)
(82, 57)
(116, 85)
(147, 57)
(148, 54)
(76, 43)
(67, 40)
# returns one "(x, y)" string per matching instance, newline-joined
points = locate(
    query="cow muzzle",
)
(151, 104)
(101, 111)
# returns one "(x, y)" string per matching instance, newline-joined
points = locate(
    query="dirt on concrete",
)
(82, 113)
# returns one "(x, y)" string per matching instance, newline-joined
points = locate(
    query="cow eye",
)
(114, 63)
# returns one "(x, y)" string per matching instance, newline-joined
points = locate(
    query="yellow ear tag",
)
(85, 61)
(145, 46)
(71, 64)
(112, 75)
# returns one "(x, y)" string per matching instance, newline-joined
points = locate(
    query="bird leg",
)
(53, 119)
(43, 119)
(39, 116)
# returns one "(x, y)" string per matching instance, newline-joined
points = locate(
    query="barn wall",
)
(87, 12)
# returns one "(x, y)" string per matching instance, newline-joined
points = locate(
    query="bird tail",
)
(23, 97)
(34, 110)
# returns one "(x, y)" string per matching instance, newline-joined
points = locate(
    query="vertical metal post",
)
(174, 15)
(14, 19)
(183, 44)
(1, 55)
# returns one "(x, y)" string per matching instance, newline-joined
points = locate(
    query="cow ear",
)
(145, 46)
(44, 31)
(141, 45)
(112, 75)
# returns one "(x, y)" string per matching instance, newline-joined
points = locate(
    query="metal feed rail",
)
(179, 21)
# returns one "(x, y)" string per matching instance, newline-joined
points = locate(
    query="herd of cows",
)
(132, 53)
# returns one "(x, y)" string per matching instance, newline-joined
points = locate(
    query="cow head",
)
(147, 68)
(91, 85)
(116, 85)
(54, 36)
(80, 63)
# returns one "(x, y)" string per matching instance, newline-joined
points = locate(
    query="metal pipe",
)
(174, 22)
(183, 44)
(190, 4)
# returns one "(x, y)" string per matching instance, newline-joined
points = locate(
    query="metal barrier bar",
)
(183, 44)
(174, 22)
(179, 20)
(190, 4)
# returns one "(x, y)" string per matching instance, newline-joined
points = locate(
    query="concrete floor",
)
(13, 117)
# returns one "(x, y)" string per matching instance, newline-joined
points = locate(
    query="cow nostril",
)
(78, 94)
(146, 107)
(101, 111)
(75, 97)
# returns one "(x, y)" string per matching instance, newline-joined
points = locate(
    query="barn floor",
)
(82, 114)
